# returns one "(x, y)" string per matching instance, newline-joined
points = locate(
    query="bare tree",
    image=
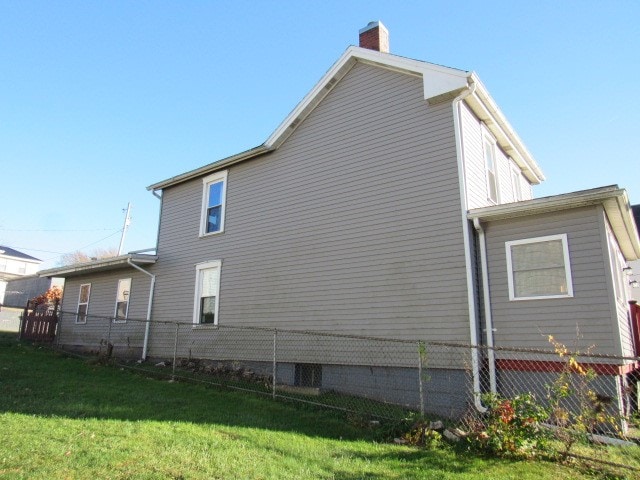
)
(82, 257)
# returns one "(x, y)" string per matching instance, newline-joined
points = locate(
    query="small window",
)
(213, 203)
(207, 292)
(516, 189)
(83, 303)
(122, 300)
(308, 375)
(539, 268)
(492, 172)
(3, 265)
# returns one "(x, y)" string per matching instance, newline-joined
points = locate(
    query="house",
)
(395, 201)
(14, 265)
(20, 290)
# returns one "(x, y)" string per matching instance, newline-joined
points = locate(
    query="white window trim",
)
(489, 141)
(617, 262)
(115, 310)
(79, 303)
(567, 266)
(206, 181)
(198, 291)
(516, 184)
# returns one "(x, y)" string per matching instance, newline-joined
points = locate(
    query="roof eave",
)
(98, 265)
(440, 83)
(485, 107)
(614, 200)
(211, 167)
(449, 79)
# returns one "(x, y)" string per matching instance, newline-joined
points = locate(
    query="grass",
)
(61, 417)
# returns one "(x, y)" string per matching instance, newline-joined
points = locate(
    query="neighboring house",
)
(395, 201)
(20, 290)
(13, 265)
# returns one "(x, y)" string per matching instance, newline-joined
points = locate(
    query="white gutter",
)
(473, 319)
(148, 320)
(488, 319)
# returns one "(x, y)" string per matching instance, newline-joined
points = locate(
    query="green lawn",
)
(61, 417)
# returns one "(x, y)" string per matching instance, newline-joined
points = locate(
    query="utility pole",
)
(127, 222)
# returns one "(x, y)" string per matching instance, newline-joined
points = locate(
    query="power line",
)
(98, 241)
(54, 230)
(70, 251)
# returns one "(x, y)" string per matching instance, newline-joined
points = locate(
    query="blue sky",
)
(100, 99)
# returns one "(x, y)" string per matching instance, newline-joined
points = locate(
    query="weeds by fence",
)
(374, 377)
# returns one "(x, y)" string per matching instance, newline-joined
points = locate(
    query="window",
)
(213, 203)
(3, 265)
(205, 309)
(515, 183)
(122, 300)
(83, 303)
(492, 175)
(617, 265)
(308, 375)
(539, 268)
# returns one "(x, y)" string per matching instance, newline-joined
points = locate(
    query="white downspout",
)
(473, 318)
(488, 319)
(148, 320)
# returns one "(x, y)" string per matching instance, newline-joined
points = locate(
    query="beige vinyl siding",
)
(352, 226)
(527, 323)
(101, 310)
(620, 298)
(475, 171)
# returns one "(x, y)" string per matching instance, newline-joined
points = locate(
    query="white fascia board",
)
(618, 210)
(311, 100)
(614, 200)
(485, 107)
(545, 204)
(97, 265)
(210, 168)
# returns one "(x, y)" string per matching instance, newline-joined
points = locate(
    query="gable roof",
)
(613, 199)
(10, 252)
(439, 84)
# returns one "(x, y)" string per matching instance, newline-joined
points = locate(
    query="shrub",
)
(510, 427)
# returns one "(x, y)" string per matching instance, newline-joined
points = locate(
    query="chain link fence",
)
(373, 377)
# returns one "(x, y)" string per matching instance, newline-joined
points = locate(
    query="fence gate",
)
(39, 322)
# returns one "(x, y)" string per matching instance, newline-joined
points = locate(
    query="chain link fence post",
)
(175, 352)
(275, 347)
(109, 335)
(59, 329)
(421, 351)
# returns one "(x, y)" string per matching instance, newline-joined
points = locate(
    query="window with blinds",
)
(539, 268)
(207, 292)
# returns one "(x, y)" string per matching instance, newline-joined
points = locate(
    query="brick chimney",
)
(375, 36)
